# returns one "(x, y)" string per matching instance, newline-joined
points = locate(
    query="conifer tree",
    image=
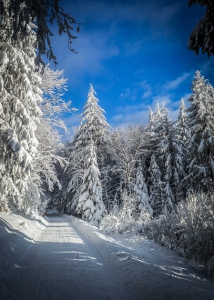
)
(165, 154)
(181, 122)
(141, 192)
(153, 137)
(93, 122)
(19, 111)
(181, 135)
(155, 187)
(202, 35)
(93, 127)
(90, 204)
(201, 125)
(161, 147)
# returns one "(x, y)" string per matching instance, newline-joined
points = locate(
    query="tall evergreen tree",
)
(93, 122)
(181, 122)
(181, 135)
(141, 192)
(159, 148)
(200, 145)
(155, 187)
(93, 127)
(19, 98)
(90, 204)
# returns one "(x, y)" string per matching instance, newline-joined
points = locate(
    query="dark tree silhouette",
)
(202, 36)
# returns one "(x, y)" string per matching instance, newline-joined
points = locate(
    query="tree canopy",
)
(42, 13)
(202, 36)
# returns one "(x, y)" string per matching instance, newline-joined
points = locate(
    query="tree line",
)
(159, 163)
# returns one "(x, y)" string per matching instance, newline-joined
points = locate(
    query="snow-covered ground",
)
(62, 257)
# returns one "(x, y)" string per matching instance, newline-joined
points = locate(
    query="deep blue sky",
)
(134, 53)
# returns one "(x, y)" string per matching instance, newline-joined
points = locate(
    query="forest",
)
(154, 179)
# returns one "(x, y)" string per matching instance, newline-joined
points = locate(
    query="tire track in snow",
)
(63, 265)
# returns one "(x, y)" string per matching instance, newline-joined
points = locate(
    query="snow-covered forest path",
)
(73, 260)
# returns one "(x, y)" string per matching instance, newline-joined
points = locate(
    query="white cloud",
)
(134, 117)
(162, 99)
(126, 93)
(174, 84)
(72, 120)
(147, 91)
(94, 49)
(141, 90)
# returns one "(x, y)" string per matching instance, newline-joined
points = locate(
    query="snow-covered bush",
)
(164, 230)
(197, 229)
(109, 223)
(127, 218)
(190, 230)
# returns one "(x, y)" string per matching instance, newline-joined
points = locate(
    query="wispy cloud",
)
(94, 50)
(135, 117)
(147, 91)
(139, 113)
(126, 93)
(72, 120)
(140, 90)
(110, 35)
(174, 84)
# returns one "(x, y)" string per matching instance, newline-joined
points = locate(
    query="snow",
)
(62, 257)
(4, 60)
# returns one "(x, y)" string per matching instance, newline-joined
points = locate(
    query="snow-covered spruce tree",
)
(141, 192)
(181, 122)
(44, 181)
(161, 157)
(155, 187)
(200, 145)
(19, 85)
(152, 137)
(180, 136)
(19, 111)
(165, 152)
(93, 127)
(93, 122)
(90, 204)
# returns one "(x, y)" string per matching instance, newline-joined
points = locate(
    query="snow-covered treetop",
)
(93, 123)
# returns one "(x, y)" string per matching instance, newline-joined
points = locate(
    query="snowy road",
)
(73, 260)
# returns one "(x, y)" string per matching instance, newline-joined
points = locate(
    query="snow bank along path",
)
(66, 258)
